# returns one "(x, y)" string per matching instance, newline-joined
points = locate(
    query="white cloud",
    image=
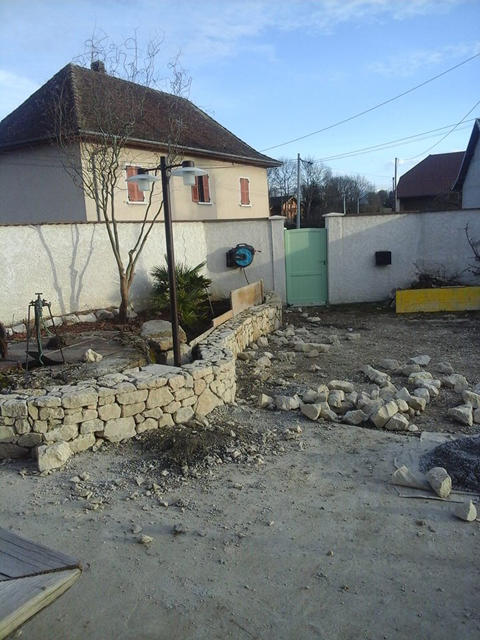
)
(407, 65)
(14, 90)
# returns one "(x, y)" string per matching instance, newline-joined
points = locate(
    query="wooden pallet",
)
(31, 577)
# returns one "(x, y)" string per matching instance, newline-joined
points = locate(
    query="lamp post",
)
(144, 181)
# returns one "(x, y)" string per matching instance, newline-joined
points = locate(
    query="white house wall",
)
(429, 241)
(73, 265)
(36, 187)
(224, 182)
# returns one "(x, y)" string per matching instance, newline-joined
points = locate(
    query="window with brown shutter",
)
(201, 189)
(134, 193)
(244, 191)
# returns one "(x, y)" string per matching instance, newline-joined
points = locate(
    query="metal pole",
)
(395, 189)
(299, 195)
(170, 263)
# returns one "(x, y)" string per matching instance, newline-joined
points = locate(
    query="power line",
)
(362, 113)
(446, 135)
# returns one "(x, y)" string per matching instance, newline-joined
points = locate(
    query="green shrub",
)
(192, 293)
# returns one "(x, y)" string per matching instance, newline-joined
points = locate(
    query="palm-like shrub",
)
(192, 293)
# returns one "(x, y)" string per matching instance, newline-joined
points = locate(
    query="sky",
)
(273, 71)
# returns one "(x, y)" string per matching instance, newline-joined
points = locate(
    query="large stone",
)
(14, 408)
(14, 451)
(159, 398)
(87, 317)
(48, 401)
(7, 434)
(421, 392)
(264, 401)
(398, 422)
(82, 443)
(206, 403)
(311, 411)
(335, 398)
(286, 403)
(53, 456)
(355, 417)
(374, 375)
(383, 414)
(469, 397)
(81, 397)
(30, 440)
(310, 396)
(440, 481)
(132, 397)
(463, 413)
(406, 478)
(64, 432)
(341, 385)
(414, 378)
(92, 356)
(466, 511)
(184, 414)
(119, 429)
(455, 380)
(389, 364)
(158, 333)
(417, 404)
(445, 368)
(109, 412)
(420, 360)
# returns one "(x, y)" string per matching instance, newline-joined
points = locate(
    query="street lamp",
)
(144, 181)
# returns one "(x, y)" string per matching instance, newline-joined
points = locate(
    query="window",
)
(244, 191)
(134, 193)
(201, 190)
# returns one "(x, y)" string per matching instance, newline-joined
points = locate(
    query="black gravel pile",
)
(461, 458)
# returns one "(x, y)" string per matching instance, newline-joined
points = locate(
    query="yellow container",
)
(441, 299)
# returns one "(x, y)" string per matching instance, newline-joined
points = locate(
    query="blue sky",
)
(272, 71)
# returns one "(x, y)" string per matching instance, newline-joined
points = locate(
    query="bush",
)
(192, 293)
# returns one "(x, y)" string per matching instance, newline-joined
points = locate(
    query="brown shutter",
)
(206, 189)
(244, 191)
(134, 193)
(195, 190)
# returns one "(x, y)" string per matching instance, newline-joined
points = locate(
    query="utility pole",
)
(395, 185)
(344, 205)
(299, 195)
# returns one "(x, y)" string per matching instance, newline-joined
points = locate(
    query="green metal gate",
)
(306, 266)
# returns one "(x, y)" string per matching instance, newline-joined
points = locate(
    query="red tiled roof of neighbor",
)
(432, 176)
(92, 102)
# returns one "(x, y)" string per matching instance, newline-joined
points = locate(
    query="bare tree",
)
(475, 246)
(282, 180)
(95, 158)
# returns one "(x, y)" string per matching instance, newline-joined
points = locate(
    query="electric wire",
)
(382, 104)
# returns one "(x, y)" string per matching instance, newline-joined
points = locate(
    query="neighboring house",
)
(468, 179)
(90, 99)
(284, 206)
(428, 185)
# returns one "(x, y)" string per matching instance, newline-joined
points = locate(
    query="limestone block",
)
(383, 414)
(47, 401)
(398, 422)
(14, 409)
(421, 392)
(132, 409)
(22, 425)
(183, 394)
(132, 397)
(432, 389)
(119, 429)
(355, 417)
(440, 481)
(147, 425)
(40, 426)
(50, 414)
(408, 369)
(65, 432)
(153, 413)
(402, 405)
(403, 394)
(159, 397)
(335, 398)
(82, 443)
(91, 426)
(389, 364)
(53, 456)
(311, 411)
(87, 317)
(286, 403)
(7, 434)
(176, 382)
(444, 367)
(165, 421)
(420, 360)
(172, 407)
(310, 396)
(184, 414)
(417, 404)
(463, 413)
(341, 385)
(106, 392)
(73, 418)
(264, 401)
(109, 412)
(92, 356)
(14, 451)
(30, 440)
(469, 397)
(81, 397)
(32, 410)
(476, 416)
(207, 401)
(466, 511)
(455, 379)
(414, 378)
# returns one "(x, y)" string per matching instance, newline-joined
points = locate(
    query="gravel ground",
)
(266, 525)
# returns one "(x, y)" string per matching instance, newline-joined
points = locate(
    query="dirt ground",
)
(289, 529)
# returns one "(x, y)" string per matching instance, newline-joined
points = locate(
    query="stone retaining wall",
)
(62, 420)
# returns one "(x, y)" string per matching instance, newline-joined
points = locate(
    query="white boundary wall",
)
(429, 240)
(73, 264)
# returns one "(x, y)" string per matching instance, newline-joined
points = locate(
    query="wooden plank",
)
(22, 598)
(440, 299)
(246, 297)
(20, 557)
(216, 322)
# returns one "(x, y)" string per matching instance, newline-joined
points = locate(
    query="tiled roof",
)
(432, 176)
(93, 101)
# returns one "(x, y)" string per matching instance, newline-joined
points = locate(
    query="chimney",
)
(98, 66)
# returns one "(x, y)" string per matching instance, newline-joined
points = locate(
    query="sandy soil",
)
(307, 540)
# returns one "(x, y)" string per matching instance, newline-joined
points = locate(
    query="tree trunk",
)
(124, 294)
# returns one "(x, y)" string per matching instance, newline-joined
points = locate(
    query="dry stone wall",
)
(58, 422)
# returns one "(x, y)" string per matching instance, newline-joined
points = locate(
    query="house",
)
(428, 185)
(468, 179)
(284, 206)
(47, 142)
